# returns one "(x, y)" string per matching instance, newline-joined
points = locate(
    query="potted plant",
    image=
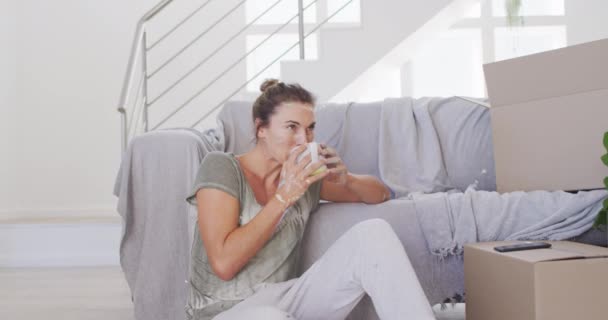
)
(514, 18)
(601, 219)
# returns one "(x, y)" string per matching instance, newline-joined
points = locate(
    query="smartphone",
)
(528, 245)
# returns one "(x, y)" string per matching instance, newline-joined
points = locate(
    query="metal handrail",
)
(135, 47)
(301, 28)
(135, 104)
(203, 89)
(197, 38)
(139, 46)
(207, 58)
(179, 25)
(270, 64)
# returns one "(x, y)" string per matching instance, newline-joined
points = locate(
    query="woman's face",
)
(290, 126)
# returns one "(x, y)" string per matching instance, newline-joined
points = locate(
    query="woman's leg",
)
(368, 258)
(263, 303)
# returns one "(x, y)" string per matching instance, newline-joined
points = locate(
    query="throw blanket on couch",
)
(413, 145)
(409, 148)
(450, 220)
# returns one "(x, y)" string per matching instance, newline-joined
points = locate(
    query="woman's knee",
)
(374, 227)
(374, 234)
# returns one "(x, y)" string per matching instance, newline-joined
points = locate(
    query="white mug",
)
(313, 149)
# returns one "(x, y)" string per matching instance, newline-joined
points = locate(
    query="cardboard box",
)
(568, 281)
(549, 114)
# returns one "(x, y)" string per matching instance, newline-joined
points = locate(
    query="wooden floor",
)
(64, 293)
(83, 294)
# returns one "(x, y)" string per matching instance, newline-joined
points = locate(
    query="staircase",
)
(184, 68)
(346, 53)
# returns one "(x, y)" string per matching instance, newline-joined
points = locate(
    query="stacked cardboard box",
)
(568, 281)
(549, 114)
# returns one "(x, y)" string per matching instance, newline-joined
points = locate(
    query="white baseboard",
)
(59, 238)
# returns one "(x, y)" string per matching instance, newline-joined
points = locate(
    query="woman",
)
(252, 211)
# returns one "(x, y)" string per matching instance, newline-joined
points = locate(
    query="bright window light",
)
(279, 14)
(520, 41)
(449, 65)
(531, 8)
(270, 50)
(474, 12)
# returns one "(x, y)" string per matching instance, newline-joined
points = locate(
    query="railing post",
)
(301, 28)
(144, 65)
(123, 129)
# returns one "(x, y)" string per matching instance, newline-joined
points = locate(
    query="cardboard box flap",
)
(550, 105)
(540, 255)
(560, 250)
(562, 72)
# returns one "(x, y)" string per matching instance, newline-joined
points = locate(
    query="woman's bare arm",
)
(230, 246)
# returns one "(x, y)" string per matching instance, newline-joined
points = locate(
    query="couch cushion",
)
(462, 127)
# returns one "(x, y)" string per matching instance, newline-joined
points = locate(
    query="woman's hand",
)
(337, 169)
(296, 178)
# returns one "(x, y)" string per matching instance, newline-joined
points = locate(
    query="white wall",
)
(65, 135)
(8, 101)
(587, 20)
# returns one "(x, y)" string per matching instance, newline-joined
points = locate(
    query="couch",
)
(158, 169)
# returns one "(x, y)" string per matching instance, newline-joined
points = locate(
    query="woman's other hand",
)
(337, 169)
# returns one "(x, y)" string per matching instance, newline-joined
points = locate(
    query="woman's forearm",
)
(367, 188)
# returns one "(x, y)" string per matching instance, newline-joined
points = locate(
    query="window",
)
(482, 36)
(531, 8)
(475, 11)
(450, 65)
(515, 42)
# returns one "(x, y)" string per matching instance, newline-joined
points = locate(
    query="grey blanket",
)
(451, 220)
(155, 176)
(409, 148)
(413, 145)
(413, 162)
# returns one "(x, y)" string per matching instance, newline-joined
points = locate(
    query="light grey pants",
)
(368, 258)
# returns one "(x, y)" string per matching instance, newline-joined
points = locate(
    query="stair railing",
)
(134, 95)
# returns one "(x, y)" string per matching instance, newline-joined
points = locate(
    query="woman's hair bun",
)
(267, 84)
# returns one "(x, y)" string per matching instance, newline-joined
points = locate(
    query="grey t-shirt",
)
(275, 262)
